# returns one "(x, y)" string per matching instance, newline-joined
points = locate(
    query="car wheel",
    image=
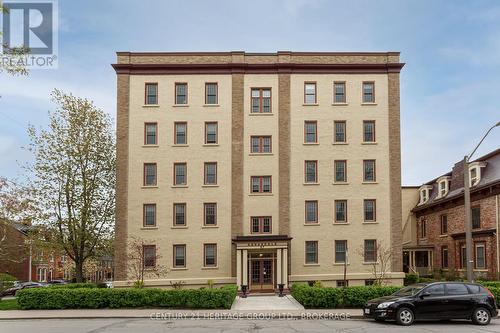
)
(404, 317)
(481, 316)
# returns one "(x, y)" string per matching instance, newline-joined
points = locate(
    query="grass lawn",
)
(9, 304)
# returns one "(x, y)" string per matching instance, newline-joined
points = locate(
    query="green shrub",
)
(349, 297)
(488, 284)
(95, 298)
(7, 277)
(410, 279)
(75, 285)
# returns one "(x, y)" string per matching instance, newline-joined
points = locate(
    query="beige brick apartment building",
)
(259, 169)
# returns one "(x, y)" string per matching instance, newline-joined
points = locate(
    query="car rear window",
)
(456, 289)
(475, 289)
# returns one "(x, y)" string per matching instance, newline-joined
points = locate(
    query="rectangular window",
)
(476, 217)
(341, 211)
(310, 132)
(149, 217)
(369, 171)
(370, 250)
(179, 256)
(309, 92)
(181, 93)
(423, 228)
(480, 256)
(210, 173)
(149, 252)
(179, 214)
(342, 283)
(261, 184)
(149, 174)
(260, 144)
(211, 133)
(444, 257)
(463, 257)
(340, 132)
(210, 214)
(340, 251)
(370, 210)
(339, 92)
(369, 131)
(311, 171)
(261, 224)
(444, 224)
(210, 255)
(311, 211)
(150, 133)
(180, 174)
(368, 92)
(311, 252)
(340, 171)
(211, 90)
(261, 100)
(180, 133)
(151, 94)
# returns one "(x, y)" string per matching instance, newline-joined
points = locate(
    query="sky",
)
(450, 85)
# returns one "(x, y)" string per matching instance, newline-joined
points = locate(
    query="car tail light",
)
(490, 293)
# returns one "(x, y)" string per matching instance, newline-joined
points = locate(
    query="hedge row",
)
(95, 298)
(330, 298)
(75, 285)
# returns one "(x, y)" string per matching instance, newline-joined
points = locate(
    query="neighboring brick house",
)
(14, 258)
(438, 240)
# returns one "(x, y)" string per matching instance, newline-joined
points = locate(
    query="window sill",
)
(209, 226)
(341, 223)
(311, 265)
(339, 143)
(369, 104)
(443, 236)
(261, 114)
(210, 145)
(311, 223)
(311, 143)
(260, 154)
(340, 104)
(149, 186)
(149, 228)
(369, 263)
(340, 264)
(369, 143)
(150, 146)
(180, 105)
(310, 184)
(210, 185)
(310, 104)
(178, 268)
(340, 183)
(261, 194)
(369, 222)
(180, 145)
(179, 186)
(211, 105)
(151, 106)
(208, 268)
(179, 227)
(369, 183)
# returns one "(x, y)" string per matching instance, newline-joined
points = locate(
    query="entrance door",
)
(261, 271)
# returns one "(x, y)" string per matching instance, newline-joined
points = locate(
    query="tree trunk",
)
(79, 270)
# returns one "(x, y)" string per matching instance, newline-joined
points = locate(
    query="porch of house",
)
(418, 261)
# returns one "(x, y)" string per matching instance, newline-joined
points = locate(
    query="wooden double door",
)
(262, 275)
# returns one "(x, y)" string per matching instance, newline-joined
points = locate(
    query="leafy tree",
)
(15, 55)
(74, 175)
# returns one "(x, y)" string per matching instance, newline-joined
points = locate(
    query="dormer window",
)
(443, 186)
(424, 194)
(475, 173)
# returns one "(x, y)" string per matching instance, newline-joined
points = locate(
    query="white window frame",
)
(443, 186)
(424, 194)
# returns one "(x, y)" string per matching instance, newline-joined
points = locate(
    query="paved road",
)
(221, 326)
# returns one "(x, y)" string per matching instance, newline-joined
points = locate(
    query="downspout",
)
(497, 217)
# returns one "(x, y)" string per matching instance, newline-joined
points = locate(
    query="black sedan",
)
(23, 285)
(438, 300)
